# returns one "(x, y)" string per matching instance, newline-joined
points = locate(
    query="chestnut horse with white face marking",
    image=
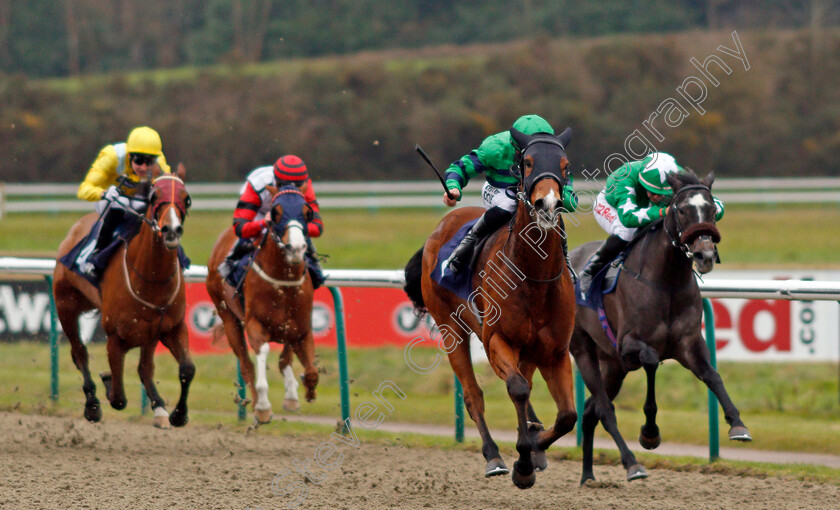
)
(527, 306)
(278, 301)
(655, 312)
(141, 298)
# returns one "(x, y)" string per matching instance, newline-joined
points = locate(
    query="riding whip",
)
(429, 161)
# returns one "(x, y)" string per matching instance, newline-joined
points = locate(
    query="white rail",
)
(792, 290)
(28, 198)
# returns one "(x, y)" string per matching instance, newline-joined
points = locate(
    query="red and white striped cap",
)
(290, 168)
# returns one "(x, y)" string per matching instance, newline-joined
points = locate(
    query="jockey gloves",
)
(290, 168)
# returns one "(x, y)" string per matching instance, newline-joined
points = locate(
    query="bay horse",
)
(655, 313)
(141, 298)
(522, 307)
(278, 301)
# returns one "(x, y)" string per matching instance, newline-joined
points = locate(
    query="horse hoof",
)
(263, 416)
(292, 406)
(649, 443)
(310, 396)
(739, 434)
(523, 481)
(178, 419)
(93, 411)
(539, 460)
(495, 467)
(636, 472)
(119, 404)
(161, 419)
(586, 478)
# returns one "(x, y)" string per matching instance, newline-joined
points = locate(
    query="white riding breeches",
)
(607, 217)
(504, 198)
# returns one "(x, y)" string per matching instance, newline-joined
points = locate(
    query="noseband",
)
(685, 236)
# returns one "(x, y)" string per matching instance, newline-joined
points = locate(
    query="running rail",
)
(791, 290)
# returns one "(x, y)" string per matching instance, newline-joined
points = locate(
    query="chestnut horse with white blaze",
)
(522, 307)
(141, 298)
(278, 293)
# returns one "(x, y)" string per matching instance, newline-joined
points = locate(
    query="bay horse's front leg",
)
(113, 381)
(461, 362)
(649, 436)
(305, 350)
(291, 402)
(558, 378)
(146, 371)
(505, 362)
(177, 342)
(258, 337)
(694, 355)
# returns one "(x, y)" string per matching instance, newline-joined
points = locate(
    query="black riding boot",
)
(491, 220)
(608, 251)
(241, 248)
(313, 264)
(111, 221)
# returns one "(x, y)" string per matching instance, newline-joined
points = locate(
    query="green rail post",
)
(338, 304)
(459, 410)
(240, 384)
(144, 400)
(53, 343)
(714, 432)
(580, 401)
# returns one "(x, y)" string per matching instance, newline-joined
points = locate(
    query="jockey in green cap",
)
(635, 195)
(496, 158)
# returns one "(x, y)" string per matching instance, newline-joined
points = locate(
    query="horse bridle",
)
(153, 221)
(526, 184)
(681, 240)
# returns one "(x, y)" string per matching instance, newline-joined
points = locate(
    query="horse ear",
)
(565, 137)
(271, 189)
(674, 181)
(181, 172)
(156, 171)
(276, 213)
(308, 213)
(519, 137)
(709, 179)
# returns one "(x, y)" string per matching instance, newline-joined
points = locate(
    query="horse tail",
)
(413, 277)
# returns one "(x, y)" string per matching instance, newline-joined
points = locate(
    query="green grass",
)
(754, 236)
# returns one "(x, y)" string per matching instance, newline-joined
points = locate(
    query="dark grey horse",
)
(655, 314)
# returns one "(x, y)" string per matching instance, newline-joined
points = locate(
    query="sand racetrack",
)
(51, 462)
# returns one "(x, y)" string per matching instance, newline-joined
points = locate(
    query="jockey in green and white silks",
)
(496, 158)
(635, 195)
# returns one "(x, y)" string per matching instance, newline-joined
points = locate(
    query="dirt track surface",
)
(52, 463)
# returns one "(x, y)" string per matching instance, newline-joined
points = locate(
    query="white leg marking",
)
(290, 382)
(262, 382)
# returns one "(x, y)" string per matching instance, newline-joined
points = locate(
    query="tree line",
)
(358, 117)
(70, 37)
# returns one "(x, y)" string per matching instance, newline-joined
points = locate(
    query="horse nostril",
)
(539, 204)
(165, 229)
(179, 231)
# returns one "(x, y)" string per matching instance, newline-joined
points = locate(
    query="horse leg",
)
(461, 362)
(69, 318)
(291, 402)
(649, 436)
(236, 339)
(535, 426)
(599, 407)
(305, 351)
(634, 353)
(258, 337)
(695, 356)
(146, 371)
(178, 344)
(505, 362)
(558, 378)
(114, 381)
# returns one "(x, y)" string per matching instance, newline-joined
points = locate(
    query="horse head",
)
(289, 215)
(543, 173)
(690, 222)
(168, 205)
